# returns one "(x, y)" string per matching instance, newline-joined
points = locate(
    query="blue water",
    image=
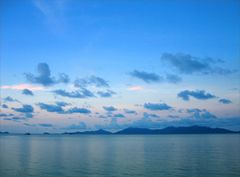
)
(119, 155)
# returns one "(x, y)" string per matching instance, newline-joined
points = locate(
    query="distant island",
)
(169, 130)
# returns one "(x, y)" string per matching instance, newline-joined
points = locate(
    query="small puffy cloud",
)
(201, 113)
(109, 108)
(63, 78)
(4, 106)
(24, 109)
(197, 94)
(58, 108)
(128, 111)
(188, 64)
(146, 77)
(44, 76)
(45, 125)
(157, 106)
(61, 103)
(78, 110)
(92, 80)
(27, 92)
(83, 93)
(10, 99)
(106, 94)
(148, 115)
(51, 108)
(224, 101)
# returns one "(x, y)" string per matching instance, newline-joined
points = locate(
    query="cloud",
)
(16, 118)
(57, 108)
(27, 92)
(24, 109)
(51, 108)
(22, 87)
(92, 80)
(45, 125)
(152, 77)
(118, 116)
(83, 93)
(172, 78)
(44, 76)
(5, 115)
(157, 106)
(198, 94)
(78, 110)
(62, 103)
(128, 111)
(146, 77)
(109, 108)
(4, 106)
(80, 126)
(224, 101)
(147, 115)
(106, 94)
(135, 88)
(10, 99)
(188, 64)
(201, 114)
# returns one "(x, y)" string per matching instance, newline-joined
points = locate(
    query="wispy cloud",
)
(22, 87)
(135, 88)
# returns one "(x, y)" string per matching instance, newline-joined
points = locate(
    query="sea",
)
(120, 155)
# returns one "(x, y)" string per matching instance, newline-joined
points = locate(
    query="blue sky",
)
(72, 65)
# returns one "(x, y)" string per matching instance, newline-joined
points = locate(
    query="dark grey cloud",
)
(109, 108)
(78, 110)
(128, 111)
(198, 94)
(10, 99)
(24, 109)
(224, 101)
(201, 114)
(188, 64)
(157, 106)
(51, 108)
(146, 76)
(106, 94)
(27, 92)
(82, 93)
(4, 106)
(92, 80)
(44, 76)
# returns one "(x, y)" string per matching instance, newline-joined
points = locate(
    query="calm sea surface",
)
(119, 155)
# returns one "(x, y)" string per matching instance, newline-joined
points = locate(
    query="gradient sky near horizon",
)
(74, 65)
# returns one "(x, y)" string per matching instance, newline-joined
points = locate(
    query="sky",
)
(76, 65)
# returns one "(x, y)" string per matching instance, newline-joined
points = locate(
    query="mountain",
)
(176, 130)
(169, 130)
(97, 132)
